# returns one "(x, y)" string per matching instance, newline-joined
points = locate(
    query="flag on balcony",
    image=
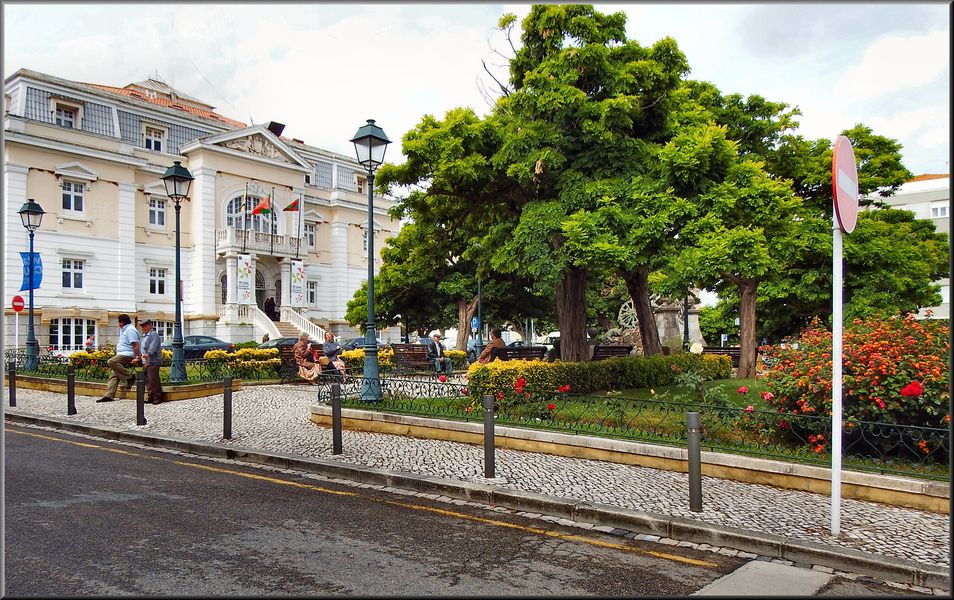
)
(264, 207)
(292, 207)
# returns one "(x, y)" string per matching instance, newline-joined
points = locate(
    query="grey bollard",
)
(12, 370)
(489, 466)
(141, 397)
(694, 426)
(336, 418)
(70, 390)
(227, 409)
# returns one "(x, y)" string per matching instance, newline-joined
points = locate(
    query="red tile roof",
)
(193, 110)
(927, 176)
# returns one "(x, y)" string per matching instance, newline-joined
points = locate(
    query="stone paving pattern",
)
(275, 418)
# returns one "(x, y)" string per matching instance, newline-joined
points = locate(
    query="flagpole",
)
(271, 205)
(298, 231)
(245, 219)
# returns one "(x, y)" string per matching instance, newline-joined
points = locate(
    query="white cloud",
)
(895, 63)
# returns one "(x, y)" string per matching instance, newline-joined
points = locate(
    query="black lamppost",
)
(177, 180)
(479, 342)
(31, 215)
(370, 143)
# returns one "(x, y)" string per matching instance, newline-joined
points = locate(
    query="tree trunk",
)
(637, 282)
(747, 347)
(571, 312)
(465, 311)
(519, 329)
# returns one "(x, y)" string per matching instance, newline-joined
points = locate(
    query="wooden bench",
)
(411, 357)
(288, 371)
(519, 353)
(733, 352)
(604, 351)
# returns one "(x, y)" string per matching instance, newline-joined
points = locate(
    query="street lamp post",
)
(31, 215)
(177, 180)
(370, 143)
(479, 342)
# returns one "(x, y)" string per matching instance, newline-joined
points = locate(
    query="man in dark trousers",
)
(151, 357)
(435, 352)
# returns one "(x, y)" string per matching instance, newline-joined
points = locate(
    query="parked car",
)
(358, 342)
(279, 342)
(195, 346)
(516, 344)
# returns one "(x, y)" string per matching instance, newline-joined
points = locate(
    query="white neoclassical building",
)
(92, 156)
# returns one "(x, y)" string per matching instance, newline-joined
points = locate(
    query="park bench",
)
(604, 351)
(733, 352)
(411, 357)
(288, 371)
(519, 353)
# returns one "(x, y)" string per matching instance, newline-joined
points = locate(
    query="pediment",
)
(157, 188)
(259, 145)
(76, 170)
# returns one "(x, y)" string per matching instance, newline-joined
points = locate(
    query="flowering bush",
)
(895, 370)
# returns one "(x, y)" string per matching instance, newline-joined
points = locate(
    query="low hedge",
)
(542, 378)
(355, 359)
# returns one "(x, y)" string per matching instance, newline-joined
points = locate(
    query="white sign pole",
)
(16, 329)
(836, 350)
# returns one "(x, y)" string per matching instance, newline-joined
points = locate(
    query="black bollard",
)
(489, 466)
(227, 409)
(141, 397)
(12, 369)
(70, 390)
(336, 418)
(694, 426)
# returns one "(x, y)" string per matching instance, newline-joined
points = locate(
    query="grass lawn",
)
(731, 386)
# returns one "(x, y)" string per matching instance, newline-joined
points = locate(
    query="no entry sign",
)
(17, 303)
(844, 181)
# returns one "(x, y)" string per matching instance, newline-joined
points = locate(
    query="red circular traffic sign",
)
(844, 183)
(17, 303)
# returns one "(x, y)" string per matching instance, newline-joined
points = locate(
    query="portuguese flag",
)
(264, 207)
(291, 207)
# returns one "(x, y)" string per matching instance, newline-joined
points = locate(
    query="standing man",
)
(435, 352)
(127, 352)
(151, 361)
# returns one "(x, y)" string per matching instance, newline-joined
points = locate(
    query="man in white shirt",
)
(435, 352)
(127, 352)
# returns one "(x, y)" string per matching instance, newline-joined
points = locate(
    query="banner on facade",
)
(37, 271)
(244, 281)
(298, 283)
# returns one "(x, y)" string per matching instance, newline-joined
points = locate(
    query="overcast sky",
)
(322, 69)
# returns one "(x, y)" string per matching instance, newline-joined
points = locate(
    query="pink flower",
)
(743, 390)
(442, 378)
(551, 406)
(463, 392)
(469, 409)
(767, 396)
(749, 408)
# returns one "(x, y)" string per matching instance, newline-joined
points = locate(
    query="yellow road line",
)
(420, 507)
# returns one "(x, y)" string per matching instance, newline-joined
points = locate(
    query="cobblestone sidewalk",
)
(275, 418)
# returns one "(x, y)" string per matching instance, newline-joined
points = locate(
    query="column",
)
(200, 287)
(338, 295)
(286, 266)
(126, 271)
(15, 242)
(231, 278)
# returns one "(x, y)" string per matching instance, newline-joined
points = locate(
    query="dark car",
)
(195, 346)
(279, 342)
(355, 343)
(516, 344)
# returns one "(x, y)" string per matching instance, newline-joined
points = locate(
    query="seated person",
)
(435, 352)
(496, 341)
(333, 352)
(307, 368)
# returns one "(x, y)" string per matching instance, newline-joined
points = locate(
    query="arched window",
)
(223, 285)
(239, 215)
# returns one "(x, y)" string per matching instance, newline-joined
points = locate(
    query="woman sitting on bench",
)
(307, 368)
(333, 352)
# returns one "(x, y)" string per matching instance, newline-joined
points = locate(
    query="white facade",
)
(92, 156)
(929, 197)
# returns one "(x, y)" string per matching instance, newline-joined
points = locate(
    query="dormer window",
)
(154, 138)
(66, 114)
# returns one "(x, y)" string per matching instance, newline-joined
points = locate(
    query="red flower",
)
(92, 363)
(49, 348)
(749, 408)
(463, 391)
(442, 378)
(564, 388)
(913, 389)
(551, 406)
(469, 409)
(743, 390)
(767, 396)
(499, 395)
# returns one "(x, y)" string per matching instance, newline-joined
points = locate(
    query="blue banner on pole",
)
(37, 271)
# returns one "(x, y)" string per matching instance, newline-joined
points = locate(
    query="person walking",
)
(127, 352)
(151, 358)
(435, 352)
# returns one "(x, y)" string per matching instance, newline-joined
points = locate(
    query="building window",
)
(73, 274)
(73, 196)
(310, 234)
(312, 293)
(364, 240)
(157, 212)
(307, 179)
(240, 216)
(359, 183)
(164, 329)
(154, 138)
(66, 116)
(71, 333)
(938, 211)
(157, 281)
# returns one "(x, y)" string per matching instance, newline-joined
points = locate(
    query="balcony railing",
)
(246, 240)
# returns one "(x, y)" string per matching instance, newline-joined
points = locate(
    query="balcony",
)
(249, 241)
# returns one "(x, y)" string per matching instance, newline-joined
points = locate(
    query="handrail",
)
(289, 315)
(261, 321)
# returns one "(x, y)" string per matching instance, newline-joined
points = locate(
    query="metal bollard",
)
(227, 409)
(489, 466)
(12, 369)
(694, 425)
(141, 397)
(336, 418)
(70, 390)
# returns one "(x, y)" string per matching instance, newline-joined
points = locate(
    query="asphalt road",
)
(91, 517)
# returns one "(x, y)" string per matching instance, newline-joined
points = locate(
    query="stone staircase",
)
(287, 329)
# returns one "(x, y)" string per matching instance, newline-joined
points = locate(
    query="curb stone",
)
(774, 548)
